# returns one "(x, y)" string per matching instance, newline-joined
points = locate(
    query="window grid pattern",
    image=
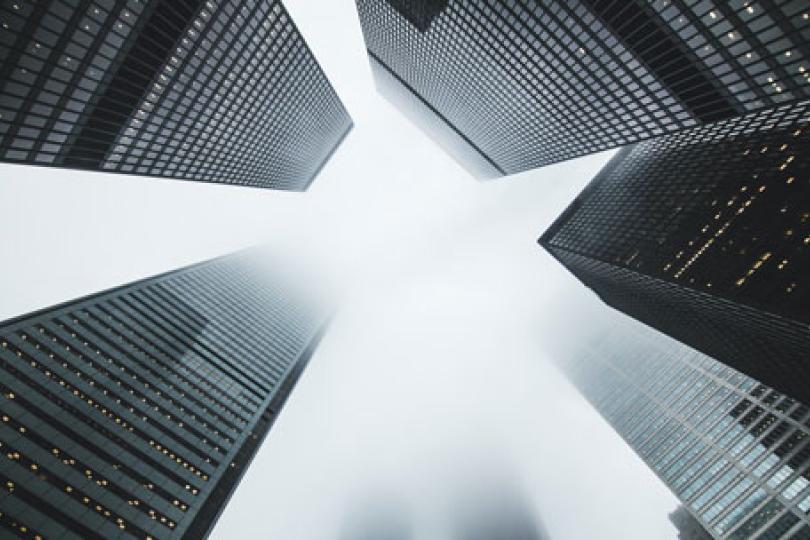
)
(729, 447)
(722, 208)
(714, 224)
(432, 123)
(219, 91)
(532, 83)
(132, 414)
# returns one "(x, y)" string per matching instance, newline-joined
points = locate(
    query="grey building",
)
(133, 413)
(526, 83)
(734, 451)
(219, 91)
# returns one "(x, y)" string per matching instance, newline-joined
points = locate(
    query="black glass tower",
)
(133, 413)
(527, 83)
(705, 235)
(219, 91)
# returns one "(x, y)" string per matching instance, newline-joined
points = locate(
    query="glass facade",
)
(529, 83)
(216, 91)
(431, 122)
(705, 235)
(734, 451)
(133, 413)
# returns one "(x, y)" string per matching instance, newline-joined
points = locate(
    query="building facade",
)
(216, 91)
(734, 451)
(133, 413)
(705, 235)
(529, 83)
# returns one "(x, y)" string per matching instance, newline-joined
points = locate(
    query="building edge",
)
(211, 510)
(17, 319)
(618, 157)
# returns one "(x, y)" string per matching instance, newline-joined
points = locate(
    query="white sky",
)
(433, 380)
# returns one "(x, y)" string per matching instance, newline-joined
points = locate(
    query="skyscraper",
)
(705, 235)
(735, 452)
(527, 83)
(216, 91)
(133, 413)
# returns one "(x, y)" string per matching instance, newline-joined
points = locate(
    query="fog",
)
(431, 408)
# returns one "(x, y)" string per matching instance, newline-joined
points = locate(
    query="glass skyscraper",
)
(133, 413)
(527, 83)
(705, 235)
(734, 451)
(218, 91)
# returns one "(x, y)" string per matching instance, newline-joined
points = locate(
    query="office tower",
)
(133, 413)
(735, 452)
(705, 236)
(688, 527)
(528, 83)
(216, 91)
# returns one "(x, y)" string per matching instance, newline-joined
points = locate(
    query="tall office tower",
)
(735, 452)
(527, 83)
(705, 235)
(217, 91)
(133, 413)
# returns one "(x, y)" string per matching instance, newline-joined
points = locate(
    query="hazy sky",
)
(433, 384)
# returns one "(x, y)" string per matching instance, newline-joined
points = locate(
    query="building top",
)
(704, 235)
(533, 83)
(215, 91)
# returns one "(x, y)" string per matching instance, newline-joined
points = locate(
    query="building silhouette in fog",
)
(705, 236)
(688, 527)
(133, 413)
(493, 509)
(510, 86)
(223, 91)
(380, 516)
(734, 451)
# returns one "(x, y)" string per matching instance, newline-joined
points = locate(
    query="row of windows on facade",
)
(660, 439)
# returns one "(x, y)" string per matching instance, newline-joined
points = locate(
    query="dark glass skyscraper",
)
(735, 452)
(133, 413)
(219, 90)
(527, 83)
(705, 235)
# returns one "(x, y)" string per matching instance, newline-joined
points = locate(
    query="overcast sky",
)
(433, 387)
